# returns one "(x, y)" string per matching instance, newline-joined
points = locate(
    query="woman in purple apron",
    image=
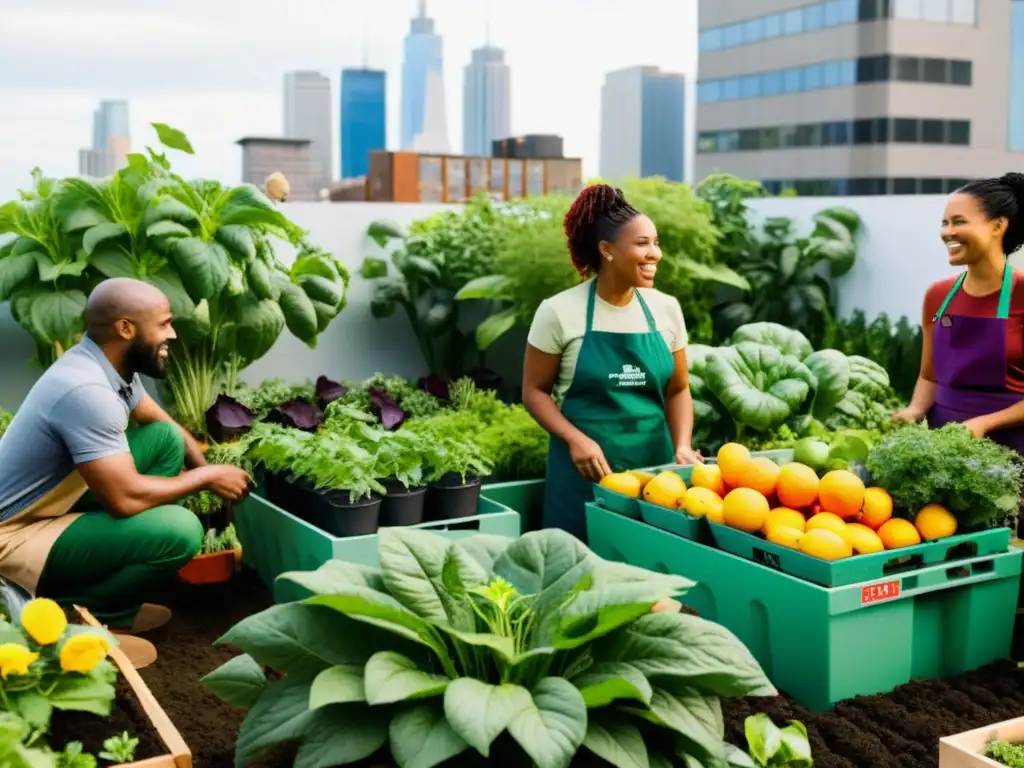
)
(972, 366)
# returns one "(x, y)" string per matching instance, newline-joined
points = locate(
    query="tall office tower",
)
(860, 97)
(423, 83)
(307, 115)
(111, 140)
(643, 132)
(486, 101)
(363, 119)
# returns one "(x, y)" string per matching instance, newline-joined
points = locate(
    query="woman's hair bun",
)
(1015, 181)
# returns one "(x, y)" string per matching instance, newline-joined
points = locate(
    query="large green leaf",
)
(76, 219)
(595, 613)
(203, 266)
(341, 735)
(258, 275)
(717, 273)
(383, 231)
(299, 639)
(342, 684)
(281, 714)
(607, 682)
(58, 315)
(168, 228)
(617, 741)
(112, 261)
(412, 564)
(831, 370)
(392, 677)
(485, 548)
(82, 693)
(299, 313)
(373, 268)
(15, 271)
(335, 576)
(700, 653)
(238, 682)
(247, 205)
(100, 233)
(494, 327)
(479, 712)
(421, 737)
(168, 281)
(166, 207)
(549, 564)
(696, 718)
(238, 241)
(553, 727)
(258, 325)
(173, 138)
(486, 287)
(321, 289)
(380, 610)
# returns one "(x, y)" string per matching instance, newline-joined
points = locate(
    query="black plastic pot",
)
(293, 494)
(336, 513)
(401, 505)
(451, 499)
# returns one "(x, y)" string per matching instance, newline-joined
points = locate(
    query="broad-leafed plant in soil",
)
(208, 247)
(532, 651)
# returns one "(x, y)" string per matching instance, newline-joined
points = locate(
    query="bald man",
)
(88, 507)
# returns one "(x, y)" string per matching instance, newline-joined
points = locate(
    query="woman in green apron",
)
(613, 351)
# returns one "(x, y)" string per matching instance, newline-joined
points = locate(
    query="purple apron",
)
(970, 366)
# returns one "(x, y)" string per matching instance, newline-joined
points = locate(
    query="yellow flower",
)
(14, 659)
(44, 621)
(83, 652)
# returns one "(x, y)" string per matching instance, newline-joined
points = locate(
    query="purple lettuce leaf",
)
(298, 414)
(227, 418)
(327, 391)
(437, 385)
(485, 378)
(386, 408)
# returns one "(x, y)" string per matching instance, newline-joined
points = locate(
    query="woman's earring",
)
(607, 257)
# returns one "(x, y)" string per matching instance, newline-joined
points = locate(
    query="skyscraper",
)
(111, 140)
(363, 119)
(486, 101)
(861, 97)
(642, 127)
(423, 64)
(307, 115)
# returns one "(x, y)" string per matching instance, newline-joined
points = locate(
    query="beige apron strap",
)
(27, 538)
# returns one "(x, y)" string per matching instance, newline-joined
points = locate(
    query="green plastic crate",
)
(862, 567)
(523, 496)
(822, 645)
(275, 541)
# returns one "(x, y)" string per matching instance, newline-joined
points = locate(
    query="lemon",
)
(935, 522)
(622, 482)
(700, 502)
(665, 490)
(784, 535)
(825, 544)
(863, 539)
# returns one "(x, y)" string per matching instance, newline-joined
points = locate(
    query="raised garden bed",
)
(136, 710)
(968, 750)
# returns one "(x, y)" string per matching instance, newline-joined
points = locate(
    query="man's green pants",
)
(111, 565)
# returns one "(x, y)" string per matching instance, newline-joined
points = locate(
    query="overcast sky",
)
(213, 68)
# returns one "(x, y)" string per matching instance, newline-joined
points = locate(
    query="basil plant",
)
(486, 651)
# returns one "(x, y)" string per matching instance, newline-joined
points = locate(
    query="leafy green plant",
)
(978, 480)
(1008, 753)
(120, 748)
(5, 420)
(897, 348)
(73, 756)
(786, 284)
(223, 541)
(726, 197)
(525, 651)
(431, 263)
(773, 747)
(209, 248)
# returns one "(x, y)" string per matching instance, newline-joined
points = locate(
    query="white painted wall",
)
(900, 254)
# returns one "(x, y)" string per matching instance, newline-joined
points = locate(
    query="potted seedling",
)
(217, 561)
(456, 468)
(400, 467)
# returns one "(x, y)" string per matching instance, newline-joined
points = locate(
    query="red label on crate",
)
(873, 593)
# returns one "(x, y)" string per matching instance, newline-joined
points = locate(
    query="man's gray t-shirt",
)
(77, 412)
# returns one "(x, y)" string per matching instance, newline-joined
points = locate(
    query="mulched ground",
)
(898, 730)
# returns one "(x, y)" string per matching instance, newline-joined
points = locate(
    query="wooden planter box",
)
(965, 750)
(178, 754)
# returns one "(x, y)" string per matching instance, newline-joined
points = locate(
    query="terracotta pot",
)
(214, 568)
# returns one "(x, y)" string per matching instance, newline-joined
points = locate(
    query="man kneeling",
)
(88, 507)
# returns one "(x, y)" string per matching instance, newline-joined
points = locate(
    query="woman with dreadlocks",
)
(612, 350)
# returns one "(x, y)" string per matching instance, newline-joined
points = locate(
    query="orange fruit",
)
(841, 492)
(785, 517)
(762, 474)
(863, 539)
(827, 521)
(733, 459)
(785, 536)
(897, 533)
(797, 486)
(708, 476)
(828, 545)
(700, 501)
(745, 509)
(935, 522)
(716, 515)
(877, 507)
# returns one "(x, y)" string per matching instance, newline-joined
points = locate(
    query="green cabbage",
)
(786, 340)
(831, 369)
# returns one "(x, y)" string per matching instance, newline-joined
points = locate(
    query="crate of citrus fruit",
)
(826, 527)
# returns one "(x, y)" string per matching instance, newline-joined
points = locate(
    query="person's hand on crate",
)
(686, 456)
(589, 458)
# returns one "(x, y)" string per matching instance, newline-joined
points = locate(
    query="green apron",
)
(617, 399)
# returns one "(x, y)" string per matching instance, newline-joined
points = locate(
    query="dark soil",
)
(898, 730)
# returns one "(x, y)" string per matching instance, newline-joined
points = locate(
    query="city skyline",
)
(75, 67)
